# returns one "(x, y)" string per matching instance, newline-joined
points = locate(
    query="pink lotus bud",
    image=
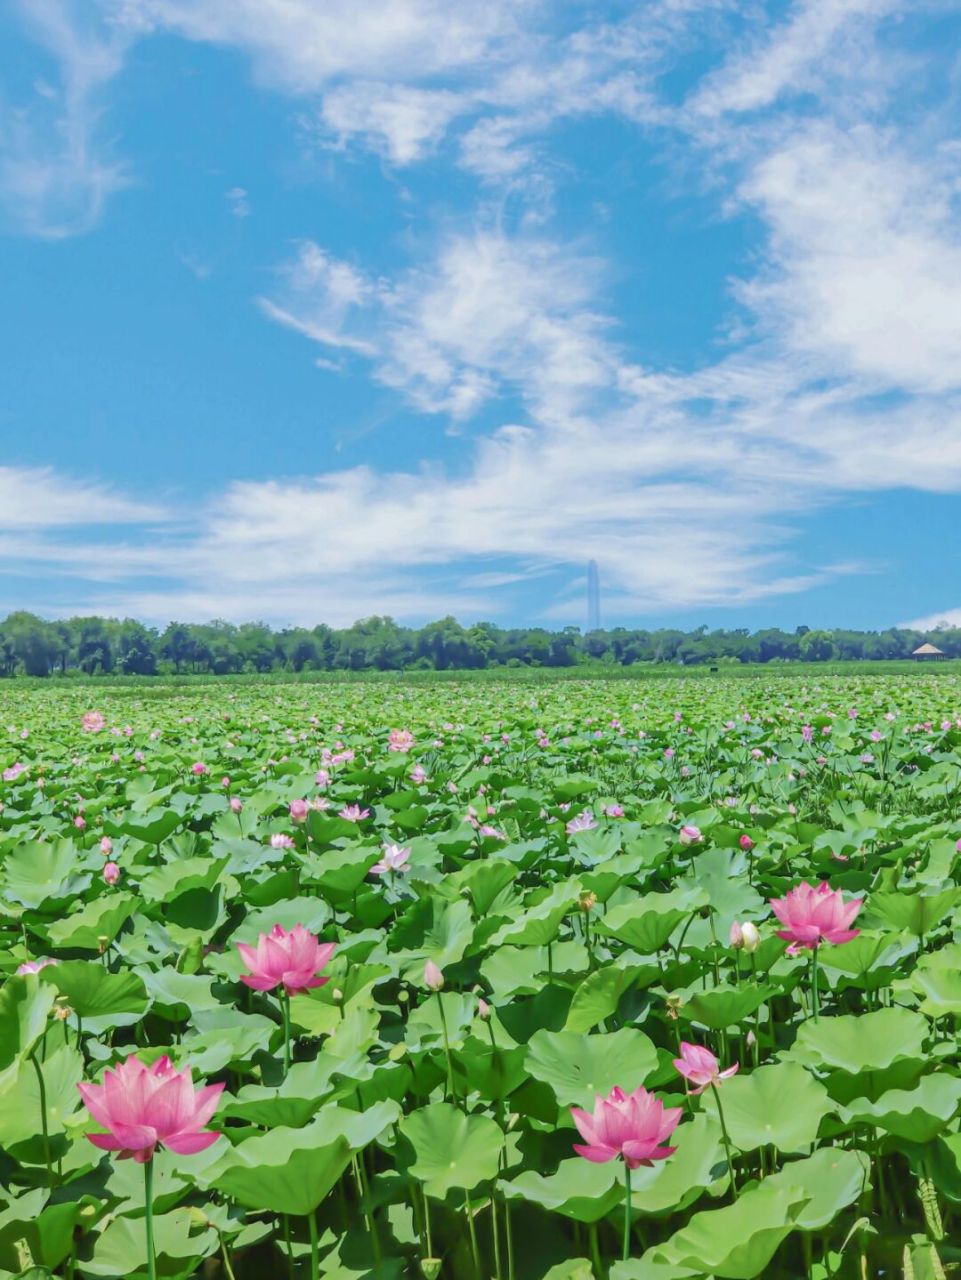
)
(751, 939)
(299, 809)
(690, 835)
(225, 781)
(199, 768)
(483, 1009)
(433, 978)
(236, 804)
(106, 846)
(111, 873)
(746, 842)
(737, 936)
(80, 822)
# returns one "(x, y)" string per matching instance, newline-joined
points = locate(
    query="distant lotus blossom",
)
(353, 813)
(614, 811)
(812, 915)
(93, 722)
(319, 804)
(199, 768)
(225, 782)
(14, 772)
(280, 841)
(322, 778)
(289, 959)
(945, 725)
(634, 1126)
(394, 858)
(34, 966)
(690, 834)
(584, 821)
(807, 733)
(418, 774)
(80, 822)
(106, 846)
(746, 842)
(299, 809)
(866, 757)
(145, 1107)
(491, 832)
(875, 735)
(668, 753)
(400, 740)
(236, 804)
(111, 873)
(700, 1067)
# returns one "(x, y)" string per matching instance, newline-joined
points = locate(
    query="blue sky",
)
(307, 317)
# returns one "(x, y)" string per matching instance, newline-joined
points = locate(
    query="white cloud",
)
(56, 170)
(933, 621)
(38, 498)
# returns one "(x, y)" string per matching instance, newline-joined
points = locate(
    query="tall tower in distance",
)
(593, 597)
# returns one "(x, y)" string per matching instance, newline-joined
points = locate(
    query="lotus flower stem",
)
(727, 1140)
(475, 1252)
(148, 1217)
(285, 1011)
(450, 1065)
(815, 999)
(495, 1234)
(43, 1118)
(314, 1249)
(289, 1246)
(627, 1211)
(595, 1251)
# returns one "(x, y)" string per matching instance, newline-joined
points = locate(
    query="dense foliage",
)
(102, 646)
(412, 941)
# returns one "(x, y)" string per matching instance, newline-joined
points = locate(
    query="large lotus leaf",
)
(121, 1248)
(833, 1177)
(312, 913)
(25, 1005)
(45, 1231)
(173, 878)
(671, 1185)
(306, 1087)
(153, 826)
(20, 1109)
(859, 1043)
(918, 913)
(93, 992)
(102, 918)
(342, 871)
(195, 913)
(225, 1036)
(432, 930)
(720, 1007)
(36, 872)
(722, 875)
(572, 1269)
(489, 1071)
(518, 971)
(940, 989)
(738, 1241)
(646, 923)
(781, 1104)
(538, 925)
(578, 1189)
(452, 1150)
(598, 996)
(917, 1115)
(578, 1067)
(292, 1170)
(177, 995)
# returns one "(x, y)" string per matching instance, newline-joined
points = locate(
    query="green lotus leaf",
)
(452, 1150)
(578, 1067)
(780, 1105)
(864, 1042)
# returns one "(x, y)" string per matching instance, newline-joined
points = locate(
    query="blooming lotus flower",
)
(292, 959)
(418, 774)
(700, 1067)
(631, 1125)
(614, 811)
(400, 740)
(199, 768)
(111, 873)
(34, 966)
(583, 822)
(394, 858)
(145, 1107)
(353, 813)
(14, 772)
(279, 841)
(812, 915)
(93, 722)
(690, 835)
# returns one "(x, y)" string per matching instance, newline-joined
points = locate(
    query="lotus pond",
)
(482, 982)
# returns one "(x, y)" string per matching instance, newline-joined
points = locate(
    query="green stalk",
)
(285, 1010)
(627, 1211)
(450, 1065)
(727, 1140)
(496, 1236)
(43, 1118)
(475, 1252)
(314, 1249)
(596, 1251)
(815, 998)
(148, 1217)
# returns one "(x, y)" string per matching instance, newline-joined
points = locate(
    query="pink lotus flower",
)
(199, 768)
(299, 809)
(292, 959)
(400, 740)
(433, 977)
(583, 822)
(14, 772)
(106, 846)
(814, 915)
(614, 811)
(353, 813)
(236, 804)
(93, 722)
(690, 835)
(418, 775)
(34, 966)
(394, 858)
(279, 841)
(746, 842)
(145, 1107)
(633, 1126)
(699, 1066)
(321, 778)
(111, 873)
(80, 822)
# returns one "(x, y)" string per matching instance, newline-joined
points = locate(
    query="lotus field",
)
(527, 981)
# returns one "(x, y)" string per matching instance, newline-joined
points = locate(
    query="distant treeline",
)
(104, 646)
